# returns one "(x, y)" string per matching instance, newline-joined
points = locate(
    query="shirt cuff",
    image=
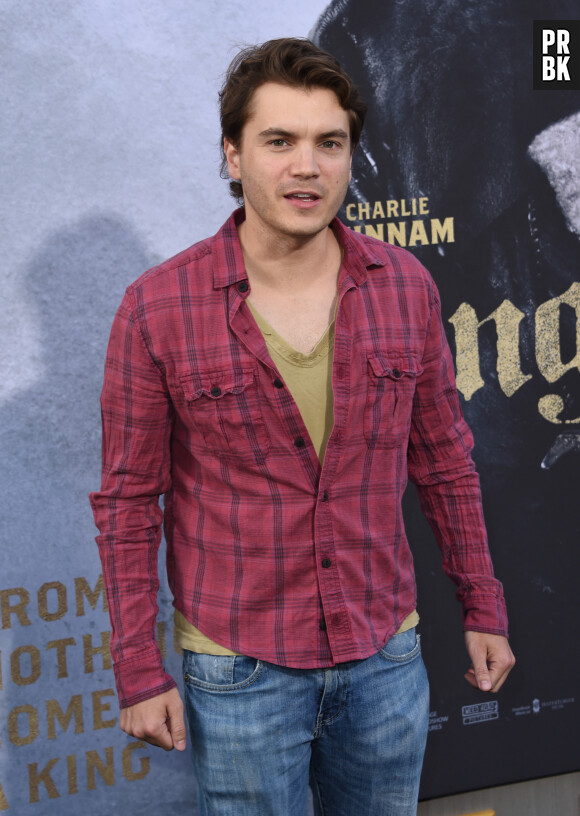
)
(141, 677)
(486, 613)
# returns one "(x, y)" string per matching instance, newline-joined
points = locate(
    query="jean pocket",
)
(402, 647)
(220, 672)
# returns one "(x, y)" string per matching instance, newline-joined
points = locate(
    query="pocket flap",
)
(215, 384)
(395, 367)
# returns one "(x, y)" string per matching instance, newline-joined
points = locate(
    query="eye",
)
(330, 144)
(278, 142)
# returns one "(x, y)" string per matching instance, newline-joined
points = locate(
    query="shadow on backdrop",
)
(50, 441)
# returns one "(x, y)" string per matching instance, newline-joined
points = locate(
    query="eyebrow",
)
(331, 134)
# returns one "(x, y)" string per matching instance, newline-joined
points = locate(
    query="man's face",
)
(293, 160)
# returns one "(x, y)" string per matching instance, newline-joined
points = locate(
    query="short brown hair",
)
(289, 61)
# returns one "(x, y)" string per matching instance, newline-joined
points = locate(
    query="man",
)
(276, 383)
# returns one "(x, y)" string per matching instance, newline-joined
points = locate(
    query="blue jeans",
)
(356, 732)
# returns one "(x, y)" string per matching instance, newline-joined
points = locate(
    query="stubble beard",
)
(291, 229)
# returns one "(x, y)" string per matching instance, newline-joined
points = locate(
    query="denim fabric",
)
(356, 732)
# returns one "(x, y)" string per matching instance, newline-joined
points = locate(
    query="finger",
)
(499, 663)
(161, 737)
(480, 673)
(479, 682)
(155, 732)
(499, 671)
(470, 677)
(176, 727)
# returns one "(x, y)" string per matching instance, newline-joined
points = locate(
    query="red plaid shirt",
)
(268, 552)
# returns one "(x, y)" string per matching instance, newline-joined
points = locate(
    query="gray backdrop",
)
(109, 138)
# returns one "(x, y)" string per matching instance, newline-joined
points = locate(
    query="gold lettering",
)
(90, 651)
(71, 770)
(364, 210)
(61, 600)
(349, 210)
(377, 232)
(548, 349)
(442, 231)
(144, 762)
(95, 763)
(54, 712)
(99, 707)
(14, 735)
(397, 234)
(551, 406)
(18, 609)
(507, 319)
(404, 209)
(423, 209)
(83, 590)
(60, 646)
(378, 211)
(392, 210)
(468, 377)
(418, 233)
(15, 668)
(3, 800)
(36, 779)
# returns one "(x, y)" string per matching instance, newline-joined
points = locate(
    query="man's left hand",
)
(491, 660)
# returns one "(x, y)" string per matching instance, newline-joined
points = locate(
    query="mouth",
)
(302, 197)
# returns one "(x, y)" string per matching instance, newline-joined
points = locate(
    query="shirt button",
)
(278, 383)
(299, 442)
(325, 496)
(396, 373)
(322, 626)
(326, 562)
(243, 286)
(216, 391)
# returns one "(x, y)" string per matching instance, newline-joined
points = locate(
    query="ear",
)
(233, 159)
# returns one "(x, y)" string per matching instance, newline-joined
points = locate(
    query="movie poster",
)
(466, 165)
(109, 134)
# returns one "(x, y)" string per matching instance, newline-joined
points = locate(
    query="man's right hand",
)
(158, 720)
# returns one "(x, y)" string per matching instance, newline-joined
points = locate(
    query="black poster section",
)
(445, 169)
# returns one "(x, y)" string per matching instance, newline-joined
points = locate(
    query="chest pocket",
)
(225, 407)
(391, 386)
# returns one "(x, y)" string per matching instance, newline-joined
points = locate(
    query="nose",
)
(304, 161)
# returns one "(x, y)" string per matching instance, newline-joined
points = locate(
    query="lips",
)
(302, 196)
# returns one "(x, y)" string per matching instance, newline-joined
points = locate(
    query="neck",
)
(284, 261)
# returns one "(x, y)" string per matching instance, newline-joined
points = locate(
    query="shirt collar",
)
(229, 261)
(229, 268)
